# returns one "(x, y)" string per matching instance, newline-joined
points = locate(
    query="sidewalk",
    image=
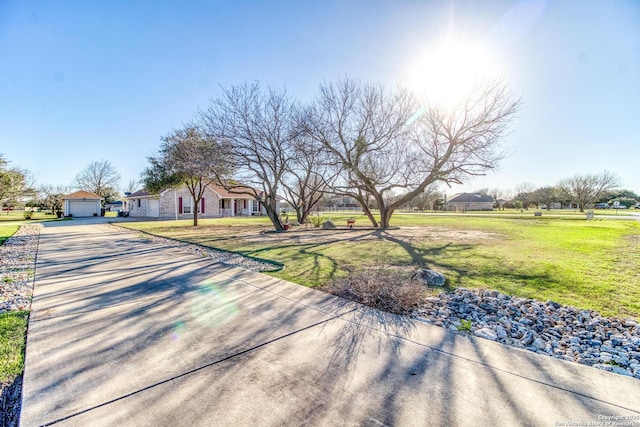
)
(127, 332)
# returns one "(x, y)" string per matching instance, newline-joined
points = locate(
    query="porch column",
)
(233, 207)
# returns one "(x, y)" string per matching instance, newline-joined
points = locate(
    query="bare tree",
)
(309, 177)
(132, 186)
(545, 196)
(584, 189)
(51, 197)
(101, 178)
(260, 127)
(387, 144)
(363, 127)
(428, 199)
(187, 157)
(524, 194)
(499, 196)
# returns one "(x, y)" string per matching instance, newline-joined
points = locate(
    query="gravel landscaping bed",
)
(17, 269)
(549, 328)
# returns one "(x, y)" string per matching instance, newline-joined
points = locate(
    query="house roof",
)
(82, 195)
(223, 192)
(470, 198)
(139, 193)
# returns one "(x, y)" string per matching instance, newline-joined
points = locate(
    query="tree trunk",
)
(304, 216)
(273, 216)
(300, 214)
(385, 216)
(195, 217)
(368, 213)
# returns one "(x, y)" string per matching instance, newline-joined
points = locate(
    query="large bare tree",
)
(387, 143)
(584, 189)
(188, 157)
(260, 127)
(309, 176)
(99, 177)
(363, 127)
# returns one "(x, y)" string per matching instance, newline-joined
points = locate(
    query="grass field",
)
(13, 330)
(17, 217)
(588, 264)
(7, 231)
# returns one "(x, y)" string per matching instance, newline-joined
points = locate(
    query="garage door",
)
(154, 208)
(79, 208)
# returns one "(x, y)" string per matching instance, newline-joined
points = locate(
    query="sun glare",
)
(445, 73)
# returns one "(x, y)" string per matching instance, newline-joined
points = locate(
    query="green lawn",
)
(7, 231)
(17, 217)
(13, 330)
(588, 264)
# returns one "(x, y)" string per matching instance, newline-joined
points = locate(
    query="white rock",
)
(486, 333)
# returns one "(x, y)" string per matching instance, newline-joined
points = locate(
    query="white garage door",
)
(154, 208)
(79, 208)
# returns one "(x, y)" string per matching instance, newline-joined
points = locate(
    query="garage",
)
(82, 204)
(153, 207)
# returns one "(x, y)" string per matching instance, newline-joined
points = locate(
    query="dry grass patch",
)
(388, 290)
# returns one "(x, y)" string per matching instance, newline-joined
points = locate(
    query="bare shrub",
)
(386, 290)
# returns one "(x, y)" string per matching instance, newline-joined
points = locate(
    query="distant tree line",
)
(581, 190)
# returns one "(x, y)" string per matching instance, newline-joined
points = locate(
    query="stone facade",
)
(169, 198)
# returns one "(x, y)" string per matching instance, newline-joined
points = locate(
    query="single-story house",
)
(81, 204)
(470, 202)
(178, 203)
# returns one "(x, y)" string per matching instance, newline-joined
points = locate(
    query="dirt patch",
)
(409, 234)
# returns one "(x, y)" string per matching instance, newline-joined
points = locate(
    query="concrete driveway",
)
(125, 331)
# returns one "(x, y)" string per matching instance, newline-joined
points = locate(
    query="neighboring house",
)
(470, 202)
(178, 203)
(81, 204)
(554, 205)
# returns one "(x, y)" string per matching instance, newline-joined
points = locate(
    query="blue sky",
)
(87, 80)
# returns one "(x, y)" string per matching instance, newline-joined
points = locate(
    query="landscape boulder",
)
(430, 277)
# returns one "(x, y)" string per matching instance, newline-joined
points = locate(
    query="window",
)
(187, 205)
(138, 203)
(254, 205)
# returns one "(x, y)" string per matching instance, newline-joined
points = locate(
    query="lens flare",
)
(210, 305)
(177, 331)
